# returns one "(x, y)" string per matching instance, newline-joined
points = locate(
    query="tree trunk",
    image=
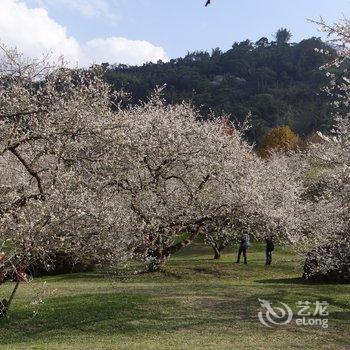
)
(218, 248)
(157, 264)
(3, 307)
(13, 294)
(178, 246)
(217, 253)
(5, 304)
(161, 253)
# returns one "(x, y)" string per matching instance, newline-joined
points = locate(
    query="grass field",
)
(197, 304)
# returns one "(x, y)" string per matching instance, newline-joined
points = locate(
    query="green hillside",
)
(278, 81)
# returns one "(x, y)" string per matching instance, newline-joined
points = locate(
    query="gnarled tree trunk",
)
(161, 253)
(5, 304)
(218, 248)
(157, 264)
(217, 253)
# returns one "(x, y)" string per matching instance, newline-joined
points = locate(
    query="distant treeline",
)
(277, 81)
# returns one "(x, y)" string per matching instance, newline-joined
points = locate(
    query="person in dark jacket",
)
(269, 249)
(243, 246)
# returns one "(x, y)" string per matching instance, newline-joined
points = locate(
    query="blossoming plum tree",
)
(330, 217)
(180, 177)
(55, 127)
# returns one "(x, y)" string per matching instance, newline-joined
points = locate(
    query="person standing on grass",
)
(243, 247)
(269, 249)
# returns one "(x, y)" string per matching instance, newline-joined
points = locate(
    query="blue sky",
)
(185, 25)
(171, 27)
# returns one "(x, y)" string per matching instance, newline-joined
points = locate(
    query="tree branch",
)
(31, 171)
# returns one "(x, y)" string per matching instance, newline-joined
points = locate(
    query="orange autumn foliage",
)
(281, 138)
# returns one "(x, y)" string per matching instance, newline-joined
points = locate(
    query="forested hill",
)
(277, 81)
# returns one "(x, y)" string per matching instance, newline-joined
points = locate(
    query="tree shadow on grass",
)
(133, 314)
(102, 314)
(210, 270)
(342, 314)
(294, 280)
(158, 275)
(76, 276)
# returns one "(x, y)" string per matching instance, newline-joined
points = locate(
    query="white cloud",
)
(33, 32)
(132, 51)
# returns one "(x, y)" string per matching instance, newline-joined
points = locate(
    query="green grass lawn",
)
(198, 303)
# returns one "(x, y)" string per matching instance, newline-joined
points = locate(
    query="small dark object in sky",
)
(207, 3)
